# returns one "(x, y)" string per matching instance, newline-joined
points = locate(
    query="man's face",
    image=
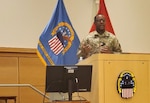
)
(100, 22)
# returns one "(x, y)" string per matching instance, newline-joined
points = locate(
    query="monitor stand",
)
(70, 89)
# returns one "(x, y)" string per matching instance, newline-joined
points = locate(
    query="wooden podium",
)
(106, 69)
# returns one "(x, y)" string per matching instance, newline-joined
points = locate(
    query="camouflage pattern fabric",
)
(97, 41)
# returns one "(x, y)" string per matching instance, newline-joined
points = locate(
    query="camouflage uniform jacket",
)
(95, 40)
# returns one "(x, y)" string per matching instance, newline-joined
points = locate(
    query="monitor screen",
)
(65, 79)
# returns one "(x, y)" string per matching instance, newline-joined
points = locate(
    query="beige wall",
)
(22, 21)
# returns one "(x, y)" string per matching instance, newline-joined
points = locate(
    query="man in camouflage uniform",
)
(99, 41)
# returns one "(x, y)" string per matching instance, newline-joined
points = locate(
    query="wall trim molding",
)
(17, 50)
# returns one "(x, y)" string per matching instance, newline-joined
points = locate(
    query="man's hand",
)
(87, 48)
(105, 49)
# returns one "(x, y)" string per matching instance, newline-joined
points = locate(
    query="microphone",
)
(102, 44)
(76, 80)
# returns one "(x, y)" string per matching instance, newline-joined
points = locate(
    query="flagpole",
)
(97, 4)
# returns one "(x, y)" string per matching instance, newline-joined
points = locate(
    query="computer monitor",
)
(68, 79)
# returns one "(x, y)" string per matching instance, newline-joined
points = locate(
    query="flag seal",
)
(65, 34)
(126, 84)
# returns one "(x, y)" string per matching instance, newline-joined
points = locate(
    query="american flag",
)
(127, 92)
(56, 45)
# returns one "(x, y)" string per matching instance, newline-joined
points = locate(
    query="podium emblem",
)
(126, 84)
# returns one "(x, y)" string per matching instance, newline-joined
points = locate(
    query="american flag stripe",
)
(127, 93)
(55, 45)
(58, 51)
(58, 48)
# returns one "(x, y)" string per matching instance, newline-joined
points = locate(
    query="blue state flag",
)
(58, 43)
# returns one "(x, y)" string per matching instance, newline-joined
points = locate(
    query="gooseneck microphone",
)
(102, 44)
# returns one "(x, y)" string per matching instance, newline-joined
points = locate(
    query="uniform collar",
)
(105, 34)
